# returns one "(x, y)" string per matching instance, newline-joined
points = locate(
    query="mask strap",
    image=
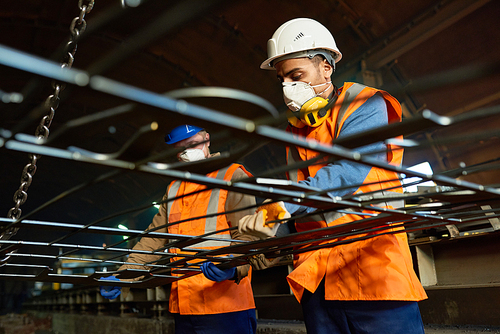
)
(329, 82)
(321, 84)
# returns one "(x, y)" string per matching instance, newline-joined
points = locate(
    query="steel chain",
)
(77, 27)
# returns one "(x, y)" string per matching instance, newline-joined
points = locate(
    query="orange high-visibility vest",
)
(378, 268)
(197, 294)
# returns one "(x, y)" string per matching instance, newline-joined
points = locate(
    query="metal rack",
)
(445, 209)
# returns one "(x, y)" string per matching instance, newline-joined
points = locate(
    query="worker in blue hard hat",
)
(184, 136)
(220, 301)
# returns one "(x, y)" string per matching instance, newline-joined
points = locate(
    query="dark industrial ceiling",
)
(437, 55)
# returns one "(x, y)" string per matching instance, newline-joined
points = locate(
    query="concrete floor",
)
(76, 324)
(279, 327)
(435, 329)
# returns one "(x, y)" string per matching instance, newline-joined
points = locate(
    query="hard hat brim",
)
(268, 64)
(181, 132)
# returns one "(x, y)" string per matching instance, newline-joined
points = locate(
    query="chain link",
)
(77, 27)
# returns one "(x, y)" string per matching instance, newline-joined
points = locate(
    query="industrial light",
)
(131, 3)
(423, 168)
(123, 227)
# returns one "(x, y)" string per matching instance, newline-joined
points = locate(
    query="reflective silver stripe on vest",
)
(292, 157)
(211, 222)
(349, 96)
(172, 192)
(213, 206)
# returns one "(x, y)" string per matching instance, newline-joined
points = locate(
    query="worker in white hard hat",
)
(217, 301)
(366, 286)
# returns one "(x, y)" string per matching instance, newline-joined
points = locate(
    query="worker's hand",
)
(108, 291)
(274, 211)
(215, 274)
(255, 225)
(260, 262)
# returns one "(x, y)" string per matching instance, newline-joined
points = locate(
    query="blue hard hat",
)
(181, 132)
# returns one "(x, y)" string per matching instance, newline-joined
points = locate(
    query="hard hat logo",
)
(298, 38)
(181, 132)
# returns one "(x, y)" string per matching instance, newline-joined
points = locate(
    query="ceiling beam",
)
(444, 17)
(414, 33)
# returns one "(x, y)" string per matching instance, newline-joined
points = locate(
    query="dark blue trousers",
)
(359, 317)
(242, 322)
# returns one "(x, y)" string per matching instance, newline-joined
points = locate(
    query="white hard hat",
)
(298, 38)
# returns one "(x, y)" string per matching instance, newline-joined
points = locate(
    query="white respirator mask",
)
(297, 93)
(192, 154)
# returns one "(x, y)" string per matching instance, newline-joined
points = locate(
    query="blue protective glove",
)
(215, 274)
(108, 291)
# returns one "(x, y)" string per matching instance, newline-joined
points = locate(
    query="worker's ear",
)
(207, 137)
(327, 69)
